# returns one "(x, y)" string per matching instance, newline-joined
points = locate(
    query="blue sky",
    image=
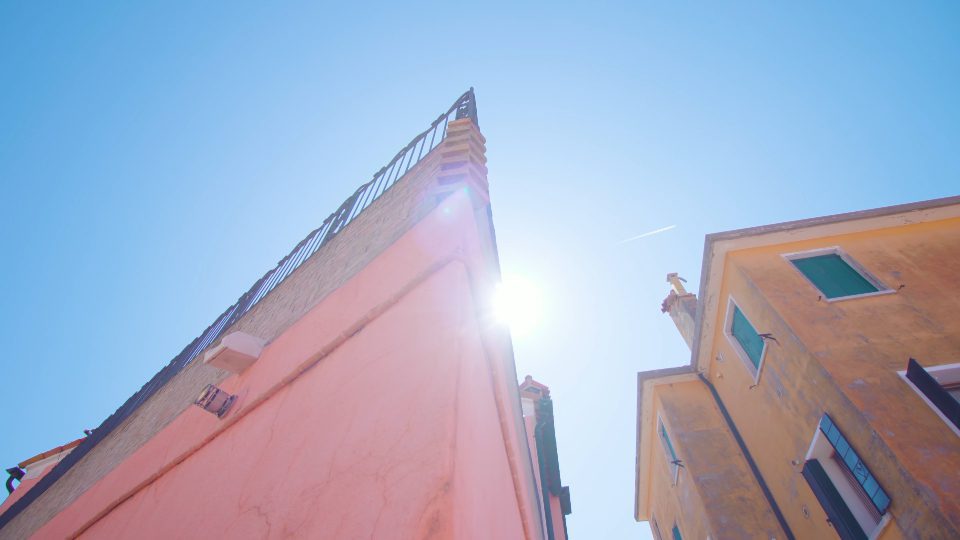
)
(156, 159)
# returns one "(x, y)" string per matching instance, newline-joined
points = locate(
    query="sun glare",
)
(518, 303)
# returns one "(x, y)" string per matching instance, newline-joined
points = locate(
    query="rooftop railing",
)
(363, 197)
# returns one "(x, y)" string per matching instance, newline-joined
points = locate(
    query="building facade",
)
(821, 399)
(360, 389)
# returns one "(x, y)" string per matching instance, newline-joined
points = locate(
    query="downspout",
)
(746, 453)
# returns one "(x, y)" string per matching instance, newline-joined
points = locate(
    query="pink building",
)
(360, 389)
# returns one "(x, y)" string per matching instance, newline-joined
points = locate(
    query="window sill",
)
(864, 295)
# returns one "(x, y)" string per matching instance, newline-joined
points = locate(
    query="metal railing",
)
(363, 197)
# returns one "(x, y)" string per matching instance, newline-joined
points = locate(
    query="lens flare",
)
(518, 303)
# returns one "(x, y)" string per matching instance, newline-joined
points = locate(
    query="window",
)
(835, 274)
(656, 528)
(940, 388)
(676, 532)
(745, 339)
(844, 486)
(668, 450)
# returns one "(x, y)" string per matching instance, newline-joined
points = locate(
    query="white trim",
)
(880, 526)
(737, 348)
(851, 262)
(934, 408)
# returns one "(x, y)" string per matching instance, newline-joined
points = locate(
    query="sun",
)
(518, 303)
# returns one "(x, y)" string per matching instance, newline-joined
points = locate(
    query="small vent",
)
(215, 400)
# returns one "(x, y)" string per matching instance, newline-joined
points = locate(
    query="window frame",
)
(737, 348)
(851, 262)
(664, 442)
(953, 378)
(842, 473)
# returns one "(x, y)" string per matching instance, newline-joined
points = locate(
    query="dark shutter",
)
(833, 276)
(839, 513)
(747, 337)
(934, 392)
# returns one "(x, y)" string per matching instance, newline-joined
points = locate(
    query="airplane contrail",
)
(646, 234)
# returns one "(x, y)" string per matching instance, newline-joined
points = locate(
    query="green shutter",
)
(839, 514)
(676, 533)
(666, 441)
(833, 276)
(747, 337)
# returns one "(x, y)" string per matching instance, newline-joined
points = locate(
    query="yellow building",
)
(822, 398)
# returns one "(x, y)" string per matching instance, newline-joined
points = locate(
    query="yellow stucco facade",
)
(757, 433)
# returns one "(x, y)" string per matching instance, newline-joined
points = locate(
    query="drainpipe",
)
(682, 308)
(746, 454)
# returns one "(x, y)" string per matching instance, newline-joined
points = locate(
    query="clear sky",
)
(156, 159)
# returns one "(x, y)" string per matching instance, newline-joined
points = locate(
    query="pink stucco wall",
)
(379, 414)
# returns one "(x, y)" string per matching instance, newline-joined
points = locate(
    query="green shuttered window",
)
(834, 276)
(667, 444)
(668, 449)
(858, 469)
(747, 336)
(676, 533)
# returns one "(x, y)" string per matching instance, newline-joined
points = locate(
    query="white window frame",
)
(674, 467)
(944, 374)
(851, 262)
(847, 488)
(742, 354)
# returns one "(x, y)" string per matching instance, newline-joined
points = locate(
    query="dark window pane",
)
(842, 446)
(833, 276)
(747, 337)
(881, 500)
(833, 435)
(870, 486)
(853, 461)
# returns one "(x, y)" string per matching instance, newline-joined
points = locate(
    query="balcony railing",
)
(363, 197)
(383, 180)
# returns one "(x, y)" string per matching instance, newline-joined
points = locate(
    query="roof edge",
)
(712, 240)
(833, 218)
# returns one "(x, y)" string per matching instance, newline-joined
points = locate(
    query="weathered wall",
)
(716, 493)
(841, 358)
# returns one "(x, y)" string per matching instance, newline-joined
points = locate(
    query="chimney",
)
(682, 307)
